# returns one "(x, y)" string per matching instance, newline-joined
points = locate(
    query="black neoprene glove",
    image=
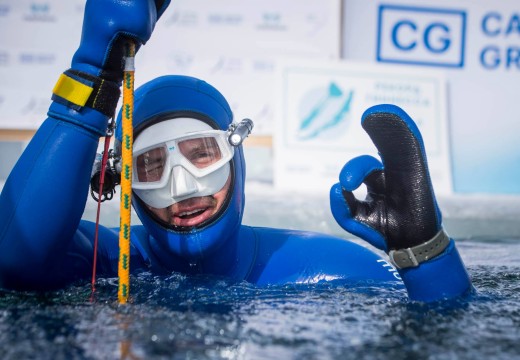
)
(400, 210)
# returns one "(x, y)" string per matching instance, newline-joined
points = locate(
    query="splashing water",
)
(202, 317)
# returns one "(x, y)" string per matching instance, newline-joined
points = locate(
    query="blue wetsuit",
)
(44, 244)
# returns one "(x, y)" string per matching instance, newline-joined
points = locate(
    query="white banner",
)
(232, 44)
(37, 41)
(318, 123)
(477, 45)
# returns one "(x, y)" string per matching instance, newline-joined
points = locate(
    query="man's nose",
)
(183, 183)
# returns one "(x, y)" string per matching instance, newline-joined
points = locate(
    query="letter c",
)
(395, 39)
(485, 23)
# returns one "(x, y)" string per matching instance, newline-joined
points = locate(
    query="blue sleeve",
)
(45, 195)
(443, 277)
(287, 256)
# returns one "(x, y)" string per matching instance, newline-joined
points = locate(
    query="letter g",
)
(443, 41)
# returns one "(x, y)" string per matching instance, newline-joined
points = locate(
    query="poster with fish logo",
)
(318, 120)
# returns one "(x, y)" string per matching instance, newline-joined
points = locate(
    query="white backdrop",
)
(320, 107)
(233, 44)
(477, 45)
(37, 40)
(237, 45)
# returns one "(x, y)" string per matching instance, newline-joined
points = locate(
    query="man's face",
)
(193, 211)
(182, 170)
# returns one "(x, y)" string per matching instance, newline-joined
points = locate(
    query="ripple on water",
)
(211, 318)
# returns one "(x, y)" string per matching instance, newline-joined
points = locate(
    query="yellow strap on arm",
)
(72, 90)
(77, 90)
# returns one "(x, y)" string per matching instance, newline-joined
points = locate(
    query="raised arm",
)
(400, 214)
(44, 197)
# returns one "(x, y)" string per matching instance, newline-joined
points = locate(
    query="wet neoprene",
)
(44, 243)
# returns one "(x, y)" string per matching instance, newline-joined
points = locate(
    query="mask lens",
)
(201, 152)
(150, 165)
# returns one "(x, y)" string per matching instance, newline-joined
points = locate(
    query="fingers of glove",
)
(107, 26)
(396, 137)
(409, 193)
(357, 170)
(344, 207)
(134, 18)
(161, 6)
(368, 170)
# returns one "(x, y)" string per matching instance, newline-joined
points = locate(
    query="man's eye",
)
(202, 155)
(204, 158)
(150, 165)
(154, 167)
(152, 161)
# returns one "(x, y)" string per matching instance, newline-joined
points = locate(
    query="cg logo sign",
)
(424, 36)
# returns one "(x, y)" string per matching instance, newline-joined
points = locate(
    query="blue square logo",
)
(421, 36)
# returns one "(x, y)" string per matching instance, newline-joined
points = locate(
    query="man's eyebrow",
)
(202, 144)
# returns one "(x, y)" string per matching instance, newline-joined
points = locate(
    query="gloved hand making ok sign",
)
(400, 214)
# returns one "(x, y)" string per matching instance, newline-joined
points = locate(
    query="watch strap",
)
(413, 256)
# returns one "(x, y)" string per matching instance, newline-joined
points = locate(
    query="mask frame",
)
(236, 134)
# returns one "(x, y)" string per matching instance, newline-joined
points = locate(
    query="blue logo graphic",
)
(502, 50)
(324, 111)
(422, 36)
(225, 19)
(40, 12)
(36, 58)
(40, 8)
(272, 21)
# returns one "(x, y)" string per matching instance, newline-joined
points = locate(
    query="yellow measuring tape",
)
(126, 175)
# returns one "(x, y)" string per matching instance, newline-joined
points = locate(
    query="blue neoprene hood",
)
(173, 96)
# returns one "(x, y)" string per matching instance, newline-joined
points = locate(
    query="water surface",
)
(179, 317)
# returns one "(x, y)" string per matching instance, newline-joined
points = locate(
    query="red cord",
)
(101, 182)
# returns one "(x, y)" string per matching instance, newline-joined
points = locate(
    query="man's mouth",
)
(192, 212)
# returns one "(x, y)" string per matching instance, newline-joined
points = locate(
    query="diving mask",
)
(182, 158)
